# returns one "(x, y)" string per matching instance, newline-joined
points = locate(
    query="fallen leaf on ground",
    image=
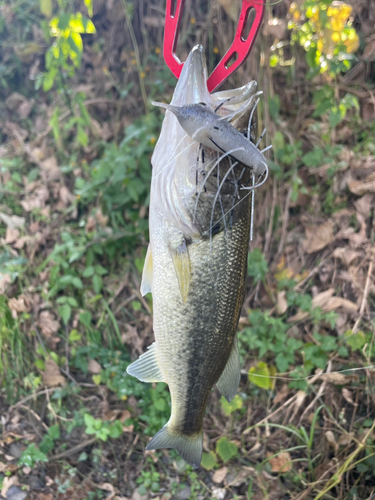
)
(94, 367)
(50, 168)
(51, 375)
(48, 324)
(330, 437)
(11, 235)
(336, 378)
(281, 394)
(327, 303)
(346, 255)
(281, 463)
(348, 396)
(364, 186)
(8, 481)
(12, 221)
(5, 279)
(318, 237)
(282, 304)
(107, 487)
(219, 475)
(19, 305)
(38, 200)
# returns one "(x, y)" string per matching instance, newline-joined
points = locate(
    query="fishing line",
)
(244, 198)
(208, 175)
(292, 379)
(215, 200)
(180, 153)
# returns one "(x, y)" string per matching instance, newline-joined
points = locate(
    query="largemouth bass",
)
(197, 258)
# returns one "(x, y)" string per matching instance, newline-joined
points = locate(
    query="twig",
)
(136, 52)
(74, 449)
(270, 224)
(365, 292)
(40, 393)
(285, 224)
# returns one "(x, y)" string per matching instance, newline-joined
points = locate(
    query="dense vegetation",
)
(77, 131)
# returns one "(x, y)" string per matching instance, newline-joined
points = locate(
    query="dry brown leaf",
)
(50, 168)
(335, 378)
(12, 221)
(125, 414)
(102, 219)
(66, 196)
(281, 394)
(346, 255)
(364, 206)
(90, 225)
(363, 186)
(242, 476)
(282, 304)
(346, 439)
(327, 303)
(5, 279)
(19, 305)
(318, 237)
(348, 396)
(52, 376)
(48, 324)
(38, 200)
(94, 367)
(45, 496)
(219, 475)
(107, 487)
(11, 235)
(330, 437)
(8, 481)
(281, 463)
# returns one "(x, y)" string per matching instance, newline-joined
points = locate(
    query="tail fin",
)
(189, 447)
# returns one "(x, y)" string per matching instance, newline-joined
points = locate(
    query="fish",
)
(196, 262)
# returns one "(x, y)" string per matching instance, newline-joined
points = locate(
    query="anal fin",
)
(147, 273)
(181, 262)
(146, 368)
(230, 378)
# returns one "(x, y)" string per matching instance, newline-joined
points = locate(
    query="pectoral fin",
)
(181, 262)
(146, 368)
(230, 378)
(147, 273)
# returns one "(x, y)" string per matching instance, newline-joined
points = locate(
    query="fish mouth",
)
(191, 87)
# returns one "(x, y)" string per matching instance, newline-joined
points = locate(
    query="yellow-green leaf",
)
(88, 4)
(226, 449)
(234, 405)
(208, 460)
(46, 7)
(76, 37)
(260, 375)
(97, 379)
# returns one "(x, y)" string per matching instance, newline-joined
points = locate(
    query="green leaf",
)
(54, 431)
(65, 312)
(260, 375)
(208, 460)
(97, 379)
(45, 7)
(235, 404)
(88, 272)
(115, 429)
(160, 404)
(74, 336)
(226, 449)
(355, 340)
(100, 270)
(39, 363)
(97, 283)
(72, 302)
(32, 455)
(85, 317)
(77, 282)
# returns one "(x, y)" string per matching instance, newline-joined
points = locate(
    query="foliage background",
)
(77, 132)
